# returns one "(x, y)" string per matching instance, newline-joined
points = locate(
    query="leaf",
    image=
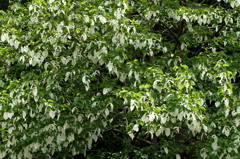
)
(5, 115)
(4, 37)
(131, 134)
(166, 150)
(238, 110)
(217, 104)
(178, 156)
(214, 146)
(64, 61)
(84, 36)
(80, 117)
(11, 94)
(102, 19)
(36, 98)
(2, 154)
(34, 61)
(94, 136)
(91, 30)
(167, 131)
(155, 86)
(159, 131)
(229, 156)
(226, 102)
(110, 121)
(16, 44)
(136, 128)
(151, 116)
(106, 111)
(35, 91)
(46, 65)
(104, 123)
(205, 128)
(24, 114)
(164, 49)
(30, 7)
(74, 109)
(110, 66)
(203, 153)
(79, 130)
(52, 113)
(10, 130)
(106, 90)
(10, 115)
(118, 13)
(26, 153)
(84, 79)
(227, 112)
(226, 131)
(136, 75)
(163, 120)
(237, 121)
(169, 62)
(132, 104)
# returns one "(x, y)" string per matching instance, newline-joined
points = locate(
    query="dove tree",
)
(120, 79)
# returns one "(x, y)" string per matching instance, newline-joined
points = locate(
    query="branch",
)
(221, 27)
(214, 5)
(117, 136)
(214, 35)
(172, 23)
(146, 141)
(182, 3)
(5, 45)
(138, 138)
(202, 1)
(174, 36)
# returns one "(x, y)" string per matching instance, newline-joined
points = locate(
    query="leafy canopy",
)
(120, 79)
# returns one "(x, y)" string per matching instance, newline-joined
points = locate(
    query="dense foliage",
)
(120, 79)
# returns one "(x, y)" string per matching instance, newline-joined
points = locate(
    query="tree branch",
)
(202, 1)
(214, 35)
(5, 45)
(174, 36)
(221, 27)
(214, 5)
(138, 138)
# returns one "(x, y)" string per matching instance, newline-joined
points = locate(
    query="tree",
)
(160, 79)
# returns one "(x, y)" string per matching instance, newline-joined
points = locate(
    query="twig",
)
(140, 139)
(174, 36)
(221, 27)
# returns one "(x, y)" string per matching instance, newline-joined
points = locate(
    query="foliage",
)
(120, 79)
